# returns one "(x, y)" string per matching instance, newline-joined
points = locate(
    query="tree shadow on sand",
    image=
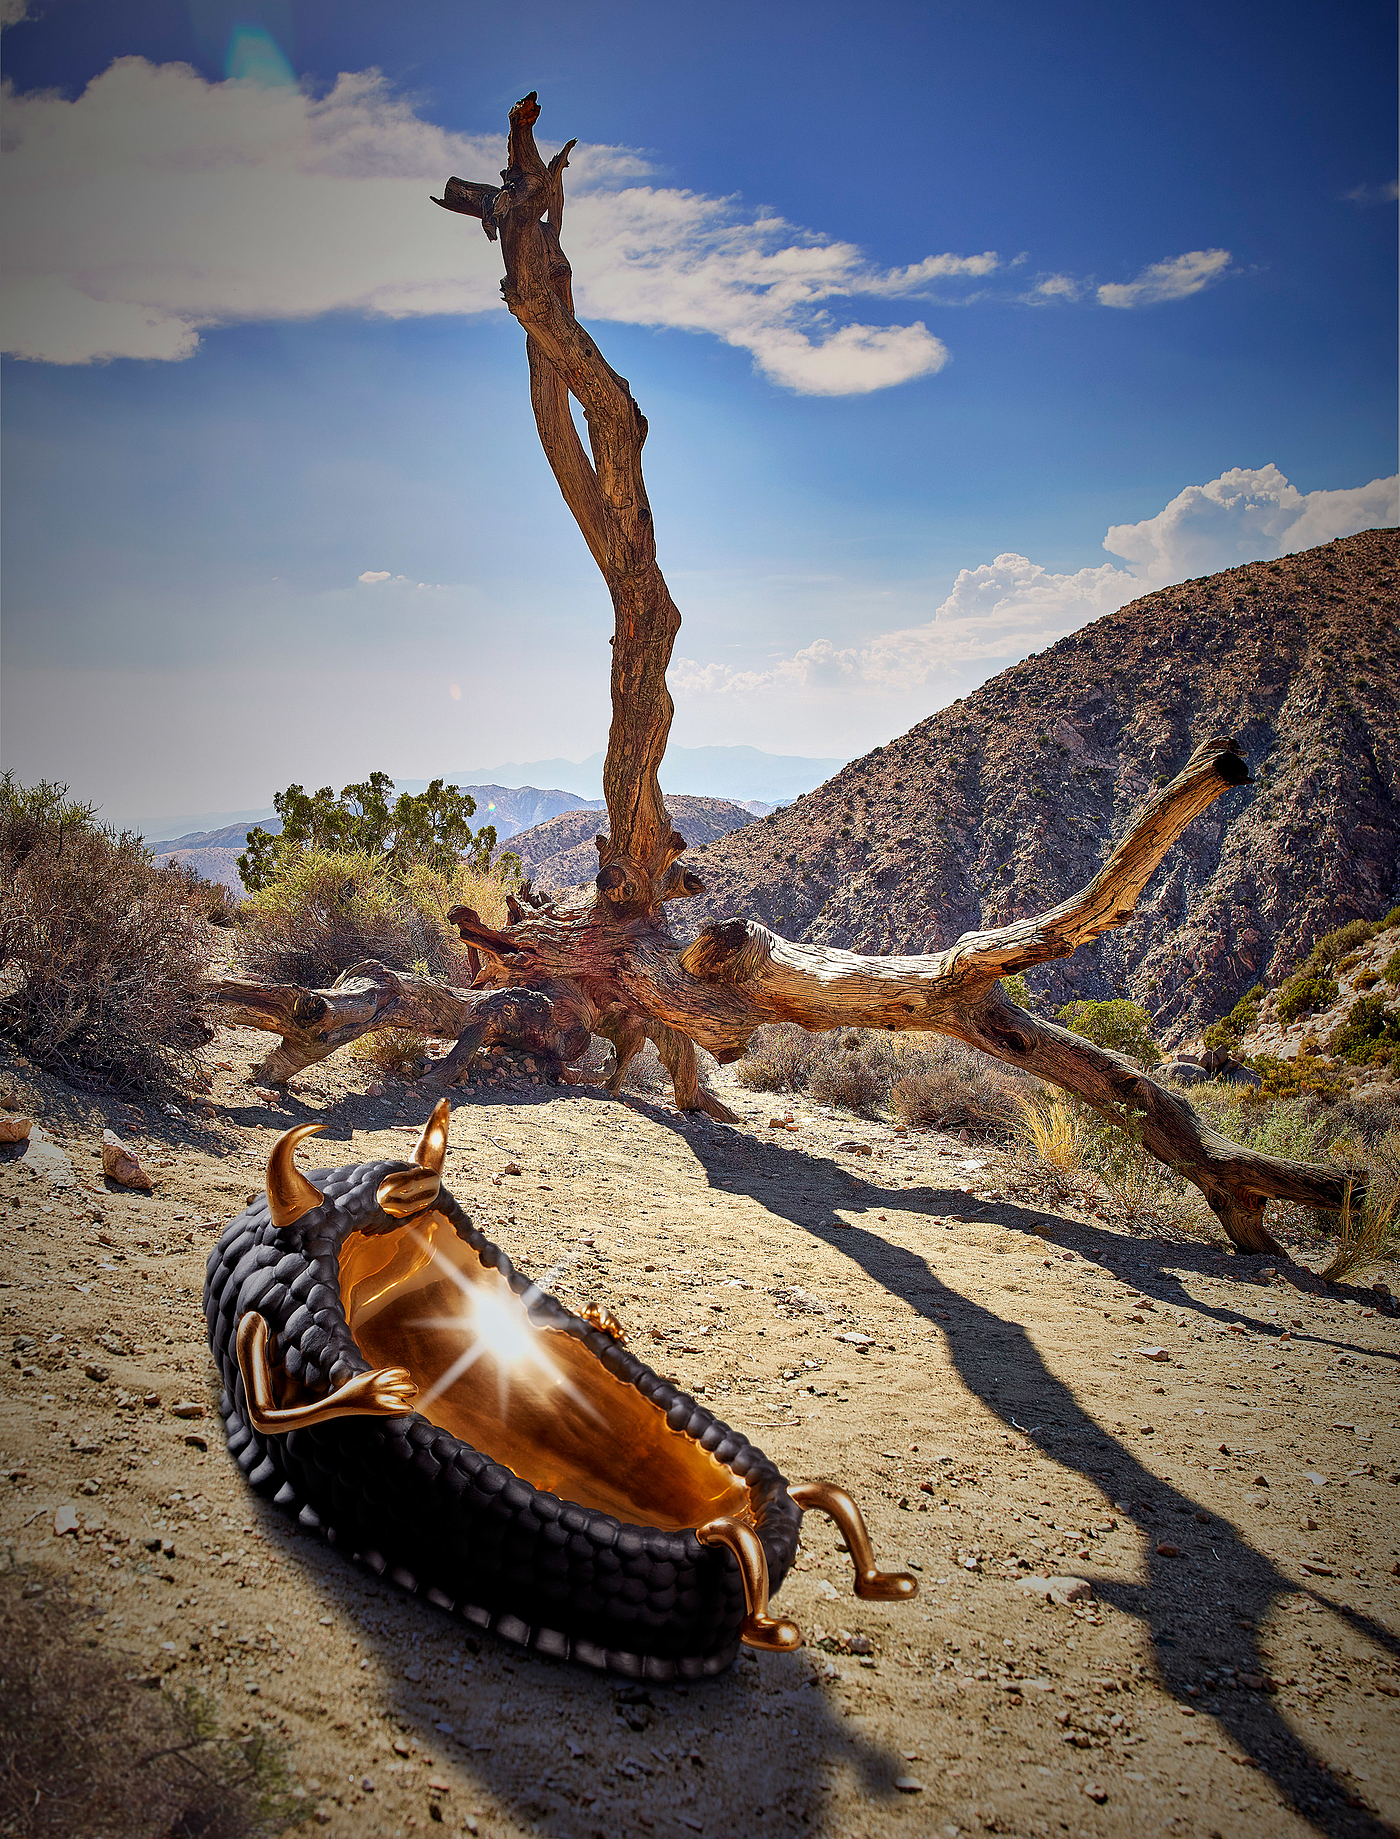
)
(1192, 1623)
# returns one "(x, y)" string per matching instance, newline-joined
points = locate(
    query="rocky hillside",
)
(1003, 803)
(560, 854)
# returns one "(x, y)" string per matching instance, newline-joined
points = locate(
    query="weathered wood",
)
(368, 997)
(632, 979)
(612, 966)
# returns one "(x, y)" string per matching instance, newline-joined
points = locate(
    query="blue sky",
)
(919, 311)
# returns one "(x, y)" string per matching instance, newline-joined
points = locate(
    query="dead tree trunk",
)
(617, 956)
(368, 997)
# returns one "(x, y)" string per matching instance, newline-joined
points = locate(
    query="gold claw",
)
(290, 1196)
(597, 1315)
(874, 1586)
(387, 1392)
(431, 1152)
(759, 1629)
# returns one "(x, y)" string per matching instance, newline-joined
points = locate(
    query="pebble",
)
(121, 1165)
(187, 1408)
(65, 1520)
(15, 1129)
(908, 1784)
(1154, 1353)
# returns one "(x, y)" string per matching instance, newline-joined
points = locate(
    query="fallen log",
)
(369, 996)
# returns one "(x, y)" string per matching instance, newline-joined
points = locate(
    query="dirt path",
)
(970, 1369)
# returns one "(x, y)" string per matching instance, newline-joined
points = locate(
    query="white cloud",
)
(1172, 280)
(1246, 515)
(1011, 606)
(12, 12)
(372, 575)
(156, 205)
(1057, 287)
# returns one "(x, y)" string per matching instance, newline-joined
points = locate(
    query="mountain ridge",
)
(1005, 802)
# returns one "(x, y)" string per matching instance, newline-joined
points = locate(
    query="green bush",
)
(102, 954)
(1307, 991)
(1370, 1035)
(431, 829)
(1123, 1026)
(1231, 1029)
(1313, 986)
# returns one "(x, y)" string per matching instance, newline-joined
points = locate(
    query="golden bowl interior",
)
(536, 1399)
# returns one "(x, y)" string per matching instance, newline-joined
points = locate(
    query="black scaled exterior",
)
(436, 1516)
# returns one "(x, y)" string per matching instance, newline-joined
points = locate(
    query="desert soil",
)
(971, 1369)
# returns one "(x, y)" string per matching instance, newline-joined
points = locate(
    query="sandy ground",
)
(969, 1368)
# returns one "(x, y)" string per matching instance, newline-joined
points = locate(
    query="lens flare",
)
(497, 1327)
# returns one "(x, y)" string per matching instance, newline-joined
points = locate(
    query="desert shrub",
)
(855, 1069)
(101, 952)
(1313, 986)
(1290, 1078)
(923, 1079)
(1017, 990)
(778, 1058)
(1123, 1026)
(1370, 1035)
(327, 911)
(1306, 991)
(1391, 969)
(953, 1087)
(1231, 1029)
(89, 1753)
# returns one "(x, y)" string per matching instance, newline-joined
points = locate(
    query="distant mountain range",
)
(1009, 800)
(739, 774)
(560, 854)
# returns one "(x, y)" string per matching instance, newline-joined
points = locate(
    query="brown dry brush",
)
(102, 954)
(84, 1752)
(612, 965)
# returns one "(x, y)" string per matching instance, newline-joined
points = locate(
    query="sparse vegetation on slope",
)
(1002, 804)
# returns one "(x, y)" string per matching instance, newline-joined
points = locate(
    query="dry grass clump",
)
(327, 910)
(101, 953)
(1069, 1154)
(1370, 1234)
(396, 1051)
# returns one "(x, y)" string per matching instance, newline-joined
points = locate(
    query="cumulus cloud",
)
(1011, 606)
(156, 205)
(1246, 515)
(1171, 280)
(372, 575)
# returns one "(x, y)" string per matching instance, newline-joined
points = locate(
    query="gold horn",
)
(431, 1152)
(289, 1194)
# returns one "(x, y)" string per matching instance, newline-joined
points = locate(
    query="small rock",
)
(1062, 1590)
(1168, 1550)
(65, 1520)
(512, 1168)
(861, 1644)
(1158, 1354)
(98, 1373)
(908, 1784)
(188, 1408)
(1095, 1792)
(15, 1129)
(120, 1164)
